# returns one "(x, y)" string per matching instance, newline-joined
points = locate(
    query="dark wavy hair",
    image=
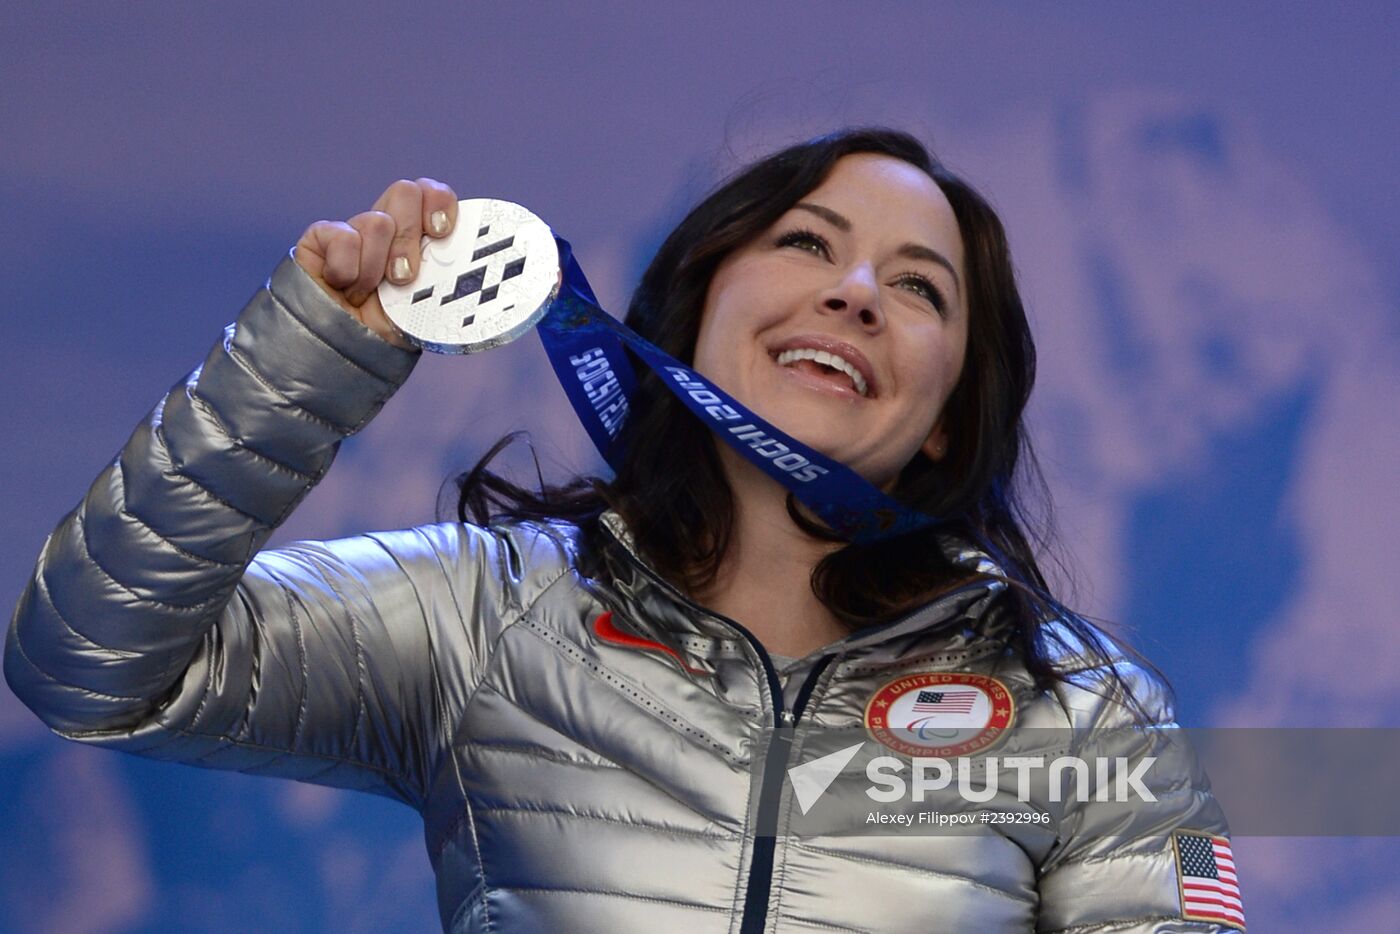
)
(671, 491)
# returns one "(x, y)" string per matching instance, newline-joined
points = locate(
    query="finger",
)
(340, 246)
(439, 207)
(312, 246)
(330, 252)
(403, 201)
(376, 230)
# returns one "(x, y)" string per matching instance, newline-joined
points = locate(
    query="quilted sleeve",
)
(149, 625)
(1127, 864)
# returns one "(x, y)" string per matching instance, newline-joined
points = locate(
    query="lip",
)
(832, 346)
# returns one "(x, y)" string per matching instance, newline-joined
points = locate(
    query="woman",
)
(579, 697)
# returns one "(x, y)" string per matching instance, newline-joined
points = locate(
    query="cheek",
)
(702, 353)
(954, 348)
(714, 345)
(937, 361)
(712, 328)
(730, 323)
(951, 371)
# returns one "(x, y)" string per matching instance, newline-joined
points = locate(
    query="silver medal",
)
(484, 285)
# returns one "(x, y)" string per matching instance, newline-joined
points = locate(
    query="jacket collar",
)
(971, 602)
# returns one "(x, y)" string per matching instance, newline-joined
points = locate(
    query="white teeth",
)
(789, 357)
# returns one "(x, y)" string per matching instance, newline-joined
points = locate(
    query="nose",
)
(858, 294)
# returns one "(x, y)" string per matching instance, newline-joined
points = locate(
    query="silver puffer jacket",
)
(588, 752)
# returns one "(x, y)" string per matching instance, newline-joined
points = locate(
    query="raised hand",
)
(349, 259)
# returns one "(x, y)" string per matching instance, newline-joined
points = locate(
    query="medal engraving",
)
(484, 285)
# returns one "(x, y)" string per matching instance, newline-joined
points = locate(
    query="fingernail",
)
(438, 220)
(401, 268)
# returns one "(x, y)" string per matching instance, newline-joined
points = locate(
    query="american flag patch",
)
(1205, 868)
(945, 701)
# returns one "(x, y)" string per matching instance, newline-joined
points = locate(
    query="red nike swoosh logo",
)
(605, 629)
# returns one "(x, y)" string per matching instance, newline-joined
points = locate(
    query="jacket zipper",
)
(774, 762)
(779, 747)
(774, 768)
(771, 788)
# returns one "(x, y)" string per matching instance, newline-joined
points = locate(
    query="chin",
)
(822, 439)
(817, 433)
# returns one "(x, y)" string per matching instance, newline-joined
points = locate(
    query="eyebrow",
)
(908, 250)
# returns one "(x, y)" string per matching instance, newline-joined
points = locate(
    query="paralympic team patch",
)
(939, 714)
(1206, 880)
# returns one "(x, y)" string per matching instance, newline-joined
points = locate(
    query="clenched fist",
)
(350, 258)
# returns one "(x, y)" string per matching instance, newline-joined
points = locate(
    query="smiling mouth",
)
(828, 367)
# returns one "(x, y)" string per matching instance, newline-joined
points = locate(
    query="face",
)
(845, 323)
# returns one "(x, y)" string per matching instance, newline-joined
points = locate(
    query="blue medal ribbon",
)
(585, 347)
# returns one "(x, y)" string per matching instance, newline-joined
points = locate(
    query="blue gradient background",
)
(1201, 201)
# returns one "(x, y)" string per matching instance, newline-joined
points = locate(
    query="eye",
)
(924, 286)
(807, 240)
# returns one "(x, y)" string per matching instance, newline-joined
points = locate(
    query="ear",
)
(935, 446)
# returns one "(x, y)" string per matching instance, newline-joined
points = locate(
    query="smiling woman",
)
(594, 693)
(860, 292)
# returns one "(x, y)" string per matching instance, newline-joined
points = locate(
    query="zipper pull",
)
(787, 718)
